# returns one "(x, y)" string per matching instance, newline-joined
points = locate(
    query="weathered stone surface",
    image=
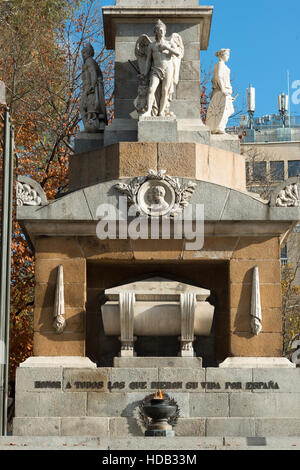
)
(43, 320)
(256, 363)
(281, 405)
(277, 427)
(45, 294)
(240, 296)
(148, 250)
(263, 248)
(36, 426)
(62, 404)
(51, 344)
(95, 249)
(160, 362)
(39, 442)
(26, 403)
(188, 90)
(230, 427)
(288, 380)
(209, 404)
(58, 362)
(190, 69)
(190, 427)
(180, 443)
(157, 130)
(186, 108)
(124, 427)
(241, 271)
(85, 426)
(85, 142)
(106, 404)
(57, 248)
(86, 380)
(177, 159)
(230, 380)
(188, 377)
(144, 377)
(264, 345)
(157, 3)
(226, 142)
(240, 320)
(27, 376)
(74, 270)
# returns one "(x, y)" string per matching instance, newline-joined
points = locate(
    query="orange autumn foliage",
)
(40, 63)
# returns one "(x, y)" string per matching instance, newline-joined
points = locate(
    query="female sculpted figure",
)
(221, 102)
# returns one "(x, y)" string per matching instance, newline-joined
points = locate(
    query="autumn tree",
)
(40, 63)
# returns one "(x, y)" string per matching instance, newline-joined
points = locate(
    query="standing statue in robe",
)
(221, 102)
(92, 106)
(159, 65)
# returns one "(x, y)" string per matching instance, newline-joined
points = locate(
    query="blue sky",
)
(264, 36)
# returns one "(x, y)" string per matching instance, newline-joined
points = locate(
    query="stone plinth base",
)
(120, 130)
(104, 402)
(142, 443)
(171, 129)
(151, 362)
(228, 142)
(184, 160)
(59, 361)
(159, 433)
(86, 141)
(256, 363)
(157, 129)
(193, 130)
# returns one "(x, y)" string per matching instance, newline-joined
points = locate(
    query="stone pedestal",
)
(231, 143)
(87, 141)
(157, 129)
(105, 402)
(152, 362)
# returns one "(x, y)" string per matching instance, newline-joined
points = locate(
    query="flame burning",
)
(159, 395)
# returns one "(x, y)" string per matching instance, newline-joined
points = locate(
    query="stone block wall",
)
(105, 402)
(224, 265)
(184, 160)
(50, 253)
(263, 252)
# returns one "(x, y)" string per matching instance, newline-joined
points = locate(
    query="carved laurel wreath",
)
(183, 192)
(145, 421)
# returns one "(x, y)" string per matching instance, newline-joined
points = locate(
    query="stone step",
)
(148, 443)
(118, 427)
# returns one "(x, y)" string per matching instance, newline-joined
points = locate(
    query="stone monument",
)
(220, 106)
(92, 105)
(138, 304)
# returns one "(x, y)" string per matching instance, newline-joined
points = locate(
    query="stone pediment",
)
(158, 288)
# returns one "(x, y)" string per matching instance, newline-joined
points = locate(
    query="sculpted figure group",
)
(159, 66)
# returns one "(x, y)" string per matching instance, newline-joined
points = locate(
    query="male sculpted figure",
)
(92, 106)
(162, 69)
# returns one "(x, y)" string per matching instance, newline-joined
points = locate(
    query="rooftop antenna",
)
(289, 101)
(251, 105)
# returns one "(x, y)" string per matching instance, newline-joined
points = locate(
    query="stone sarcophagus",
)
(157, 307)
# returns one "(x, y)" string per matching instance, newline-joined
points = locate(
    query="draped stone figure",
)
(221, 102)
(92, 106)
(159, 65)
